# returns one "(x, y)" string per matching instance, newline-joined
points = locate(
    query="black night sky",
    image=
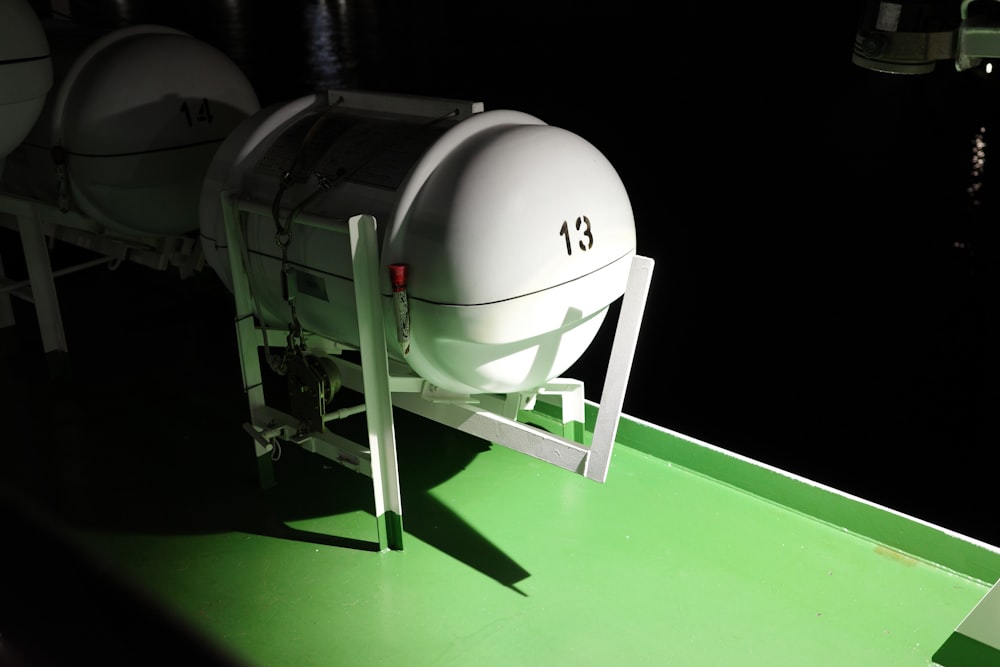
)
(823, 294)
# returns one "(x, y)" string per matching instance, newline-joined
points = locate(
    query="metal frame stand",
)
(40, 288)
(40, 225)
(385, 383)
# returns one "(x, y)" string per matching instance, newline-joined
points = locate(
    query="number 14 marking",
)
(202, 115)
(584, 222)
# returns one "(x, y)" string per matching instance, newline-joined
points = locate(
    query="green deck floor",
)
(511, 561)
(686, 556)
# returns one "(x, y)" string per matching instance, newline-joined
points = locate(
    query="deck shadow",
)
(173, 460)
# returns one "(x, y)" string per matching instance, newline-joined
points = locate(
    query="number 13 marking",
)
(582, 221)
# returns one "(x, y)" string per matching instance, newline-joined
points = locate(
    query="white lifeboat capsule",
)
(132, 126)
(516, 235)
(25, 72)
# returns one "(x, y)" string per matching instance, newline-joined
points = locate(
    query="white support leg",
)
(43, 291)
(246, 334)
(619, 367)
(375, 372)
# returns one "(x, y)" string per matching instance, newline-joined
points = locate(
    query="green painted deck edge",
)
(892, 529)
(962, 651)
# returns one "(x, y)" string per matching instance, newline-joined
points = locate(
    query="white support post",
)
(378, 460)
(375, 374)
(246, 332)
(43, 290)
(619, 367)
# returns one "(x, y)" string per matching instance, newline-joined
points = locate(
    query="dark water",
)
(823, 298)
